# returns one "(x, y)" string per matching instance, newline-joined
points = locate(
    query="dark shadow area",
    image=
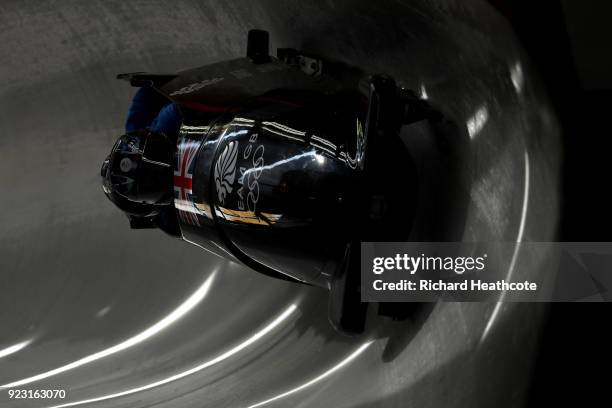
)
(570, 367)
(482, 373)
(401, 331)
(542, 30)
(573, 357)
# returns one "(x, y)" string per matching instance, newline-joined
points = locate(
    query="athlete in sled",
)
(284, 164)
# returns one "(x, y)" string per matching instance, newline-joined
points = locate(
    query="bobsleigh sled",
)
(284, 164)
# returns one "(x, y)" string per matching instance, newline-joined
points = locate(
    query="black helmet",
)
(137, 175)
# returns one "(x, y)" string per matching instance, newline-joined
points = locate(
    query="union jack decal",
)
(183, 172)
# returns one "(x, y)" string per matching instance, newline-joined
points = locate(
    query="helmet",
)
(137, 174)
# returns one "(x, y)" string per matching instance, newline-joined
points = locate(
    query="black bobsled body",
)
(284, 164)
(290, 157)
(280, 191)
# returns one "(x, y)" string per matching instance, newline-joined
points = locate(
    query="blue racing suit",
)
(151, 110)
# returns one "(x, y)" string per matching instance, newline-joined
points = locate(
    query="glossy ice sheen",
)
(136, 319)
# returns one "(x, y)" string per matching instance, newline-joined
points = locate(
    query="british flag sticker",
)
(183, 181)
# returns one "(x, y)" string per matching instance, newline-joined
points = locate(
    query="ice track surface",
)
(122, 318)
